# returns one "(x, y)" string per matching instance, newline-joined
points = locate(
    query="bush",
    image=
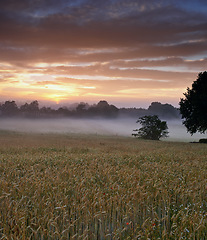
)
(203, 140)
(152, 128)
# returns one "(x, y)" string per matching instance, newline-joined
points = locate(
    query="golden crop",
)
(93, 187)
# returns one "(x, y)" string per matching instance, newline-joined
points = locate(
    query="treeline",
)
(84, 110)
(164, 111)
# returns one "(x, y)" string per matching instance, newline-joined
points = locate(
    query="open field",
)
(108, 127)
(56, 186)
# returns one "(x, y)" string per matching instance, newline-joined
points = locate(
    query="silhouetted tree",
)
(9, 108)
(102, 104)
(34, 106)
(193, 107)
(163, 110)
(63, 111)
(103, 109)
(132, 112)
(152, 128)
(47, 112)
(81, 107)
(24, 108)
(31, 109)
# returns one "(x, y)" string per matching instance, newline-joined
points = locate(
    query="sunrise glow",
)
(126, 52)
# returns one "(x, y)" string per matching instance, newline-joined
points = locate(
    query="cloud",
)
(101, 47)
(66, 29)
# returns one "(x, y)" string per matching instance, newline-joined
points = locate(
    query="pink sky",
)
(129, 53)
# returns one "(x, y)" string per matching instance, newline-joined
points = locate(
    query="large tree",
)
(193, 107)
(152, 128)
(9, 108)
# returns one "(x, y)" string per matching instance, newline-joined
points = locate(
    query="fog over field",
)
(120, 127)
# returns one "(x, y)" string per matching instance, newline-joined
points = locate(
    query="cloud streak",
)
(101, 48)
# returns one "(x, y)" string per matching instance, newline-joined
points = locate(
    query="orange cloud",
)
(92, 49)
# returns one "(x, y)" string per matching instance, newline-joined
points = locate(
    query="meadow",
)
(72, 186)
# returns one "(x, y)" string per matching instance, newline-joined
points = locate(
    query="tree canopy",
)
(152, 128)
(84, 110)
(193, 107)
(163, 110)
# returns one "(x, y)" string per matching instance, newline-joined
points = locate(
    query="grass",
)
(92, 187)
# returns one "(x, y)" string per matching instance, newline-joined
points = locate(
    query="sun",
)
(55, 97)
(57, 93)
(57, 100)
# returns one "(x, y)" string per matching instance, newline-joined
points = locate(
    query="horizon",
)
(129, 53)
(69, 104)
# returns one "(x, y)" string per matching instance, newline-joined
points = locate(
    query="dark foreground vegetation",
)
(203, 140)
(101, 109)
(193, 107)
(93, 187)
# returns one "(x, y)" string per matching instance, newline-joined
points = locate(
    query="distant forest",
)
(84, 110)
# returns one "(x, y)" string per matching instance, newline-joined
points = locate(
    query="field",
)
(59, 186)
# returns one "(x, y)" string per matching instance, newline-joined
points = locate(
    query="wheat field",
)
(59, 186)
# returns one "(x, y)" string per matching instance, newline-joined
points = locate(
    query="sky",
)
(127, 52)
